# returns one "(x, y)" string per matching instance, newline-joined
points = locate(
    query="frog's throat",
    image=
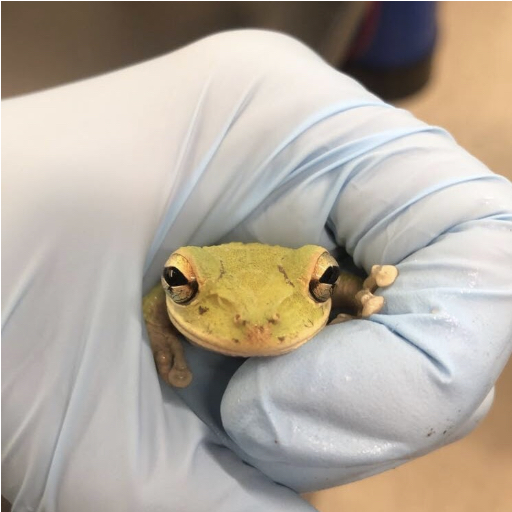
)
(245, 350)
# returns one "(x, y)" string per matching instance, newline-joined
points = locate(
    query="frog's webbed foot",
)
(169, 357)
(366, 302)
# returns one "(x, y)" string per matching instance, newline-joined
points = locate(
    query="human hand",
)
(247, 136)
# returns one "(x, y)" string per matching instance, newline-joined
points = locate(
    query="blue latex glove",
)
(242, 136)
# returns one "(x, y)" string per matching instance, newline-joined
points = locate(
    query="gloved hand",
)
(242, 136)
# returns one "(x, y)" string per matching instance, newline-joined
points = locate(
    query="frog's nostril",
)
(275, 319)
(239, 320)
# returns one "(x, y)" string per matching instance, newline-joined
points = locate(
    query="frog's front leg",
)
(356, 294)
(165, 343)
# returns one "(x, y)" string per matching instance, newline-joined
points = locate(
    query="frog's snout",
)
(255, 334)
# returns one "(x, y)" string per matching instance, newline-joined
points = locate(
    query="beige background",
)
(470, 94)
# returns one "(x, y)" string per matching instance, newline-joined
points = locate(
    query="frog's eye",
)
(324, 277)
(179, 280)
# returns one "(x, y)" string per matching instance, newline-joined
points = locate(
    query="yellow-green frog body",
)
(246, 300)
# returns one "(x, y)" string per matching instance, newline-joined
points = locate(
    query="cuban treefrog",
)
(250, 300)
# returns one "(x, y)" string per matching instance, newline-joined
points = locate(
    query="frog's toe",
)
(342, 317)
(380, 276)
(173, 368)
(370, 304)
(179, 377)
(386, 275)
(163, 360)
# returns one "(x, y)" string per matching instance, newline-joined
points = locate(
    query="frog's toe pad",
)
(380, 277)
(370, 304)
(175, 373)
(179, 377)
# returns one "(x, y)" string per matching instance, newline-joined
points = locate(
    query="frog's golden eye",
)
(324, 277)
(179, 280)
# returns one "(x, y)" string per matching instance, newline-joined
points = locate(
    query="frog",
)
(251, 300)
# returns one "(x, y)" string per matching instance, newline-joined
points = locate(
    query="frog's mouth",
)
(256, 342)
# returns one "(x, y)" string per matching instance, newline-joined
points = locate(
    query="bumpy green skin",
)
(252, 300)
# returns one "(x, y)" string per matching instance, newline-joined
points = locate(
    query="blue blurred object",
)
(393, 49)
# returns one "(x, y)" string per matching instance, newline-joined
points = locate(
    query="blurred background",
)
(448, 63)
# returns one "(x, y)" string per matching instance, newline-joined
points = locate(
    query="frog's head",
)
(249, 299)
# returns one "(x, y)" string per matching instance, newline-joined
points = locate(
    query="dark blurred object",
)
(49, 43)
(386, 45)
(6, 506)
(392, 52)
